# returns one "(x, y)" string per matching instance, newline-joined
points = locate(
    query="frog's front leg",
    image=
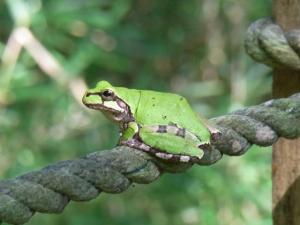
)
(130, 137)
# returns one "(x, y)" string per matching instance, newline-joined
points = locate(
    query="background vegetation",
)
(194, 48)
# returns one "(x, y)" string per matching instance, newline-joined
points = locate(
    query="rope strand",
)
(267, 43)
(50, 189)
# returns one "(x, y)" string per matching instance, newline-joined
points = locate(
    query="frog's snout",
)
(91, 98)
(87, 94)
(85, 97)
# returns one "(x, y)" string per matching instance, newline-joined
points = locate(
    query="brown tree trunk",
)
(286, 153)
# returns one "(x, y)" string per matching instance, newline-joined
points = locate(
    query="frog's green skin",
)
(162, 124)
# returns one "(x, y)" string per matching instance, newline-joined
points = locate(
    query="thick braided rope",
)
(50, 189)
(267, 43)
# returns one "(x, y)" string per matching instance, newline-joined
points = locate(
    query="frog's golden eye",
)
(107, 95)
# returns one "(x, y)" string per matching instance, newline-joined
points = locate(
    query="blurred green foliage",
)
(194, 48)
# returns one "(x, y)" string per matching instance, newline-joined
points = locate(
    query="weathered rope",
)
(50, 189)
(267, 43)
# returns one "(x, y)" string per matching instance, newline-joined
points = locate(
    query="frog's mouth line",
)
(102, 107)
(124, 116)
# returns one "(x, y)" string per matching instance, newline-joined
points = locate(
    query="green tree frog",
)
(162, 124)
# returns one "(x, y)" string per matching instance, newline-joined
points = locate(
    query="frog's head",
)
(107, 99)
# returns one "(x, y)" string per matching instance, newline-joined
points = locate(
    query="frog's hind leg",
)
(173, 129)
(170, 140)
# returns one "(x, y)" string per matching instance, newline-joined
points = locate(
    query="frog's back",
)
(156, 108)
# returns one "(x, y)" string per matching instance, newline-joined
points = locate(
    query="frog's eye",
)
(107, 95)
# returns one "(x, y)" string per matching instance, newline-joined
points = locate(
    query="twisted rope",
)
(50, 189)
(267, 43)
